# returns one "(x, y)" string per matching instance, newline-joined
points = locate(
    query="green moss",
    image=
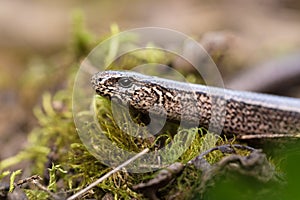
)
(82, 39)
(36, 194)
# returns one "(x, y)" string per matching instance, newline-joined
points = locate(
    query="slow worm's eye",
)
(125, 82)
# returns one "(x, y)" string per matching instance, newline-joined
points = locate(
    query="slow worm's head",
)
(126, 87)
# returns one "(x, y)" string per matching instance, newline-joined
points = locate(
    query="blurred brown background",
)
(33, 35)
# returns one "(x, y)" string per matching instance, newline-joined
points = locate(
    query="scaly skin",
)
(241, 113)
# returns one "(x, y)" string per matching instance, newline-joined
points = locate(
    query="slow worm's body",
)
(240, 113)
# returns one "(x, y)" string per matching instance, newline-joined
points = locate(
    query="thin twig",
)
(83, 191)
(222, 148)
(45, 189)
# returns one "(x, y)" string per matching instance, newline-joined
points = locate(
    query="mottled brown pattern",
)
(239, 113)
(244, 118)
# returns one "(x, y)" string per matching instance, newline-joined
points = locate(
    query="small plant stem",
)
(118, 168)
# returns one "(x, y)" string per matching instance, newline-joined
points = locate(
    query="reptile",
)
(241, 113)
